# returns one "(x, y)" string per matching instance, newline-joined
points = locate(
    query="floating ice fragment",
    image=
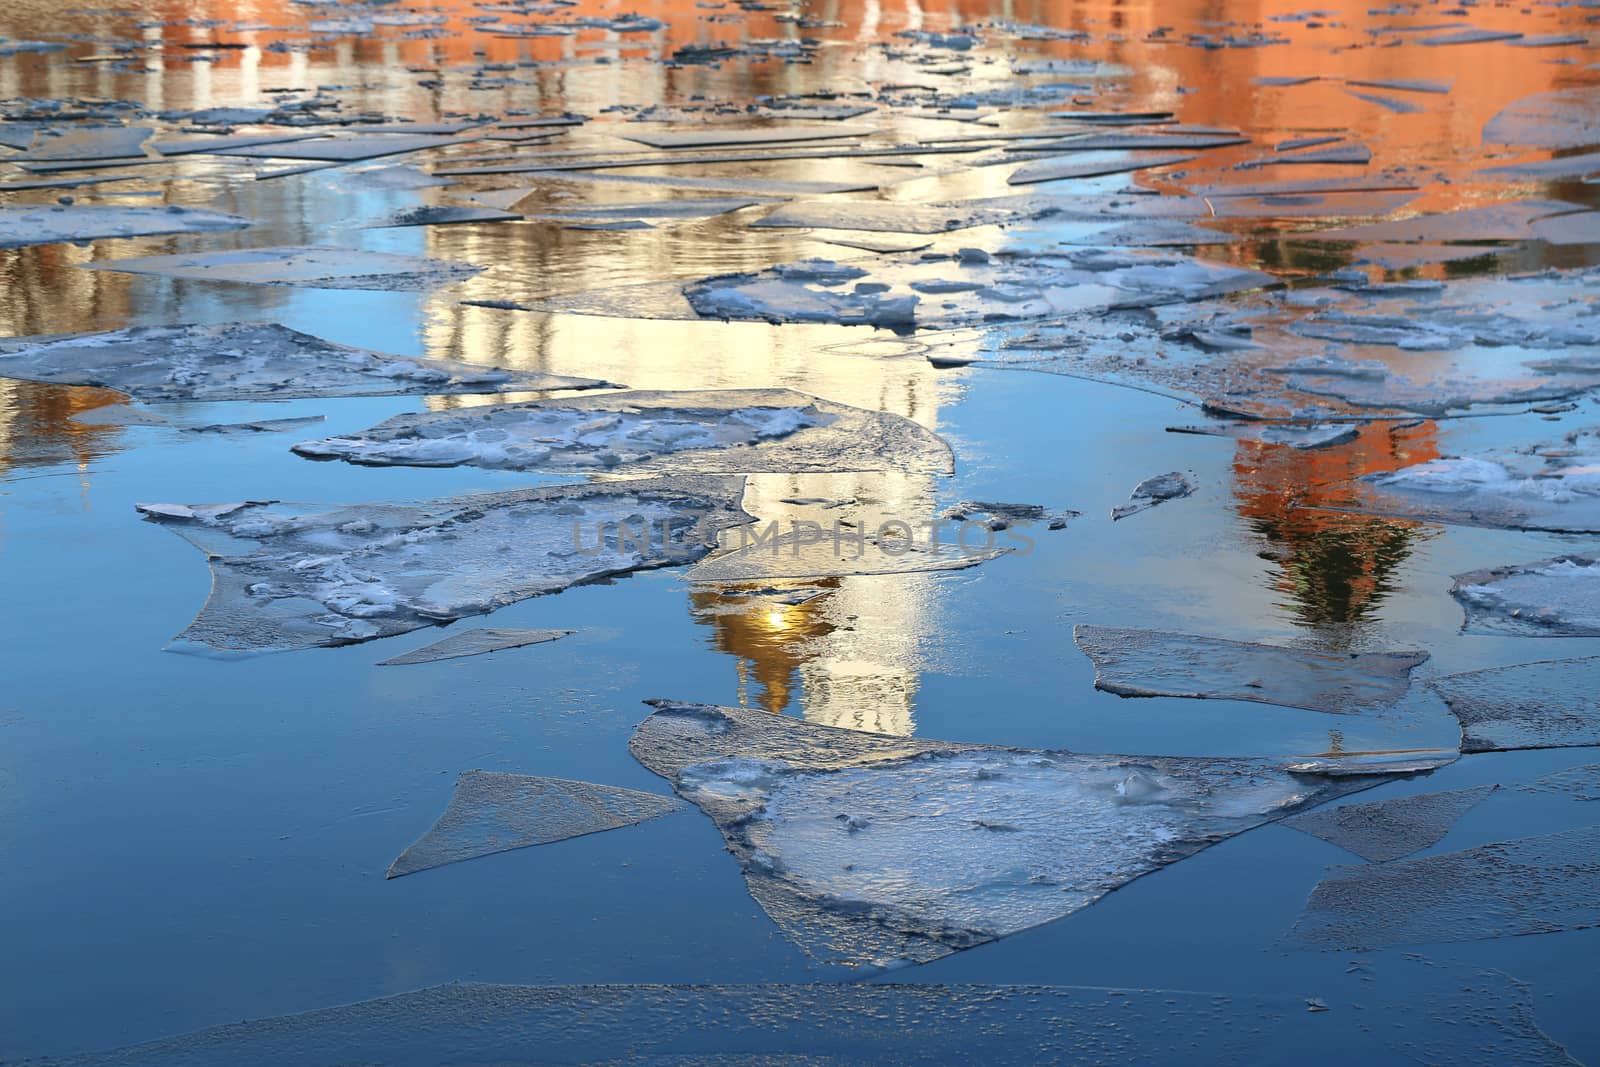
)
(708, 136)
(1529, 885)
(86, 143)
(306, 266)
(1055, 169)
(476, 642)
(1151, 663)
(249, 361)
(344, 149)
(1001, 516)
(921, 876)
(758, 187)
(183, 146)
(1569, 118)
(1128, 142)
(1481, 1017)
(1557, 597)
(1390, 829)
(1388, 103)
(301, 576)
(701, 431)
(1011, 285)
(1548, 488)
(1173, 485)
(1579, 783)
(256, 426)
(23, 225)
(1549, 704)
(1510, 221)
(1301, 435)
(444, 215)
(1355, 154)
(1305, 187)
(1581, 165)
(1404, 85)
(494, 812)
(1469, 36)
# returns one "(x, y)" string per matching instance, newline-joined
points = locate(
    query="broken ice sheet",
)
(349, 149)
(494, 812)
(1553, 487)
(1347, 154)
(1549, 704)
(476, 642)
(288, 576)
(1155, 490)
(306, 266)
(1478, 1017)
(874, 851)
(1000, 516)
(255, 426)
(1510, 221)
(1151, 663)
(444, 215)
(1301, 435)
(945, 291)
(1390, 829)
(1529, 885)
(720, 431)
(249, 361)
(1055, 169)
(1568, 118)
(86, 143)
(1557, 597)
(710, 135)
(23, 225)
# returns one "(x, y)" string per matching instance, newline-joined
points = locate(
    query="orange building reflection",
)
(1332, 567)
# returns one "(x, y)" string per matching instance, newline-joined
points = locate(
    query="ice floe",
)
(1548, 704)
(476, 642)
(311, 267)
(444, 215)
(1568, 118)
(1174, 485)
(1151, 663)
(495, 812)
(1301, 435)
(1511, 221)
(1482, 1016)
(1529, 885)
(288, 576)
(343, 149)
(85, 143)
(1055, 169)
(1557, 597)
(705, 431)
(873, 850)
(23, 225)
(249, 361)
(1383, 830)
(1552, 487)
(939, 291)
(708, 136)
